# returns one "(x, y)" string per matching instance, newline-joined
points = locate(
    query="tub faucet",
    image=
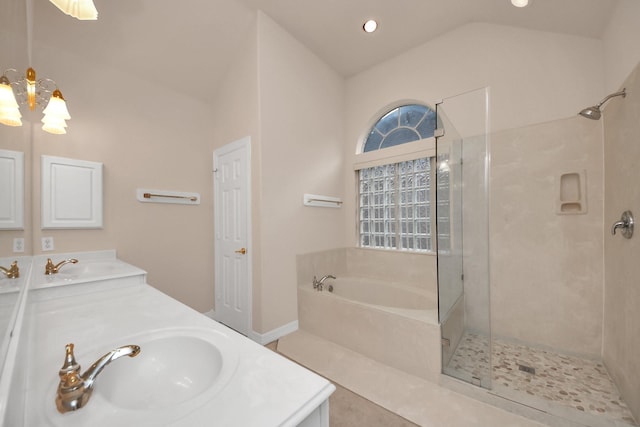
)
(12, 272)
(50, 268)
(317, 284)
(74, 390)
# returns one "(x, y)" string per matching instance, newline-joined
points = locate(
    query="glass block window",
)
(404, 124)
(443, 200)
(395, 206)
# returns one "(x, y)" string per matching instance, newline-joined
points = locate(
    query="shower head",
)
(594, 112)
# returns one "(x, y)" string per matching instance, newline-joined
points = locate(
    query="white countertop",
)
(265, 389)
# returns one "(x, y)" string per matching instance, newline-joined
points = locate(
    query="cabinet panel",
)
(71, 193)
(11, 190)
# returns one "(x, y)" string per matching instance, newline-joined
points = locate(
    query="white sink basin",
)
(168, 371)
(90, 268)
(176, 372)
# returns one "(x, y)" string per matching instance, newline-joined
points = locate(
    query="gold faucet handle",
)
(70, 380)
(14, 271)
(50, 269)
(70, 364)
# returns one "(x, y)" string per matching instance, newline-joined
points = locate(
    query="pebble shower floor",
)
(562, 380)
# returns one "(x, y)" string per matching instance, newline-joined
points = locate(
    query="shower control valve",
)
(625, 224)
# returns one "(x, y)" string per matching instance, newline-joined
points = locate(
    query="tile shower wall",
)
(622, 270)
(546, 269)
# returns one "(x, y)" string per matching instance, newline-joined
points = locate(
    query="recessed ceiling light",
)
(370, 26)
(520, 3)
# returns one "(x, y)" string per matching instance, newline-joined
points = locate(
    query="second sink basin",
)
(86, 271)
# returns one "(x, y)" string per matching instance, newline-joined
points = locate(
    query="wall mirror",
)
(14, 54)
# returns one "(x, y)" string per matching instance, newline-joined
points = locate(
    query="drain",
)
(528, 369)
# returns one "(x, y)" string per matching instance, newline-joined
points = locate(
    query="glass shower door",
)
(462, 204)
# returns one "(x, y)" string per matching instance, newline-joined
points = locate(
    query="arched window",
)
(395, 198)
(403, 124)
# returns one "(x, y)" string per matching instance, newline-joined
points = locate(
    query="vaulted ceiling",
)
(171, 42)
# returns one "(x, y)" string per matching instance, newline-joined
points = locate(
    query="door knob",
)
(241, 251)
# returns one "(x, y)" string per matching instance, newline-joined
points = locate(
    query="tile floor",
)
(577, 383)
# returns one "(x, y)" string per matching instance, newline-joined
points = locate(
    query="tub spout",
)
(318, 284)
(74, 390)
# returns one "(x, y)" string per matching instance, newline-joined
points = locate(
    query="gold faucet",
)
(53, 269)
(13, 272)
(74, 390)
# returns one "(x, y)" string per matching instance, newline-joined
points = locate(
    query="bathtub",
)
(393, 324)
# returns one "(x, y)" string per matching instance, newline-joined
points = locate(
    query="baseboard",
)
(274, 334)
(267, 337)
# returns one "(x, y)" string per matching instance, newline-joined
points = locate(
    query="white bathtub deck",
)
(420, 401)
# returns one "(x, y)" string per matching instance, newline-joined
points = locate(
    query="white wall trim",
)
(274, 334)
(267, 337)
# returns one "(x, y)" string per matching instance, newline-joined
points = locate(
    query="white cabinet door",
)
(71, 193)
(11, 190)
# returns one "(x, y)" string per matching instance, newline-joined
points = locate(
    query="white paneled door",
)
(232, 216)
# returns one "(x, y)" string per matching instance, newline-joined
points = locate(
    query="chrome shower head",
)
(594, 112)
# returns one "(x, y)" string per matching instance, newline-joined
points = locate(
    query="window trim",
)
(399, 153)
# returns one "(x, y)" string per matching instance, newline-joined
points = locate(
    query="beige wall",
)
(301, 122)
(621, 46)
(621, 347)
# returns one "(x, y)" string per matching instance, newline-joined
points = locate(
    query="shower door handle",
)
(626, 224)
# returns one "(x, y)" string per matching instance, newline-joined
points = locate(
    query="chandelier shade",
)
(56, 114)
(83, 10)
(9, 111)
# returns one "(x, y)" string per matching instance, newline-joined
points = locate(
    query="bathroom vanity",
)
(191, 370)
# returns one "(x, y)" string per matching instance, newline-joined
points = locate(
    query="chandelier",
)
(32, 92)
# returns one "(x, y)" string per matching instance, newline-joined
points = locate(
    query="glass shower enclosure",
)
(462, 213)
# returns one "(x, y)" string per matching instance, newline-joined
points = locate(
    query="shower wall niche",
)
(572, 193)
